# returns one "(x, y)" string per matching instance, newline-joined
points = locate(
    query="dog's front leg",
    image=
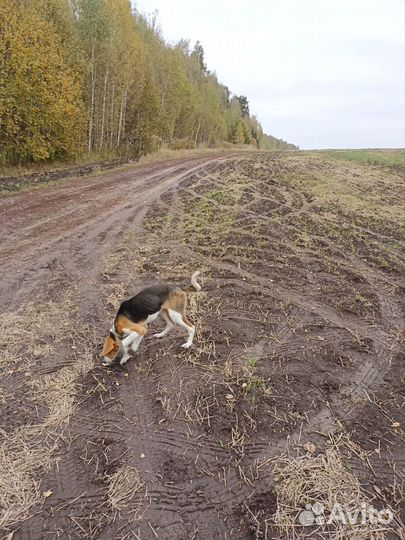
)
(126, 345)
(136, 342)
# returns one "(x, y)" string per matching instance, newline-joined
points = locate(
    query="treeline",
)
(268, 142)
(82, 76)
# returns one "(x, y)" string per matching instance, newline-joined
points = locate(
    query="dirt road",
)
(78, 220)
(298, 351)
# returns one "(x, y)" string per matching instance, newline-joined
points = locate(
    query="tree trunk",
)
(103, 111)
(112, 114)
(122, 108)
(92, 100)
(162, 102)
(198, 130)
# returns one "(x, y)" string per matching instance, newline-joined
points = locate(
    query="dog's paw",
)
(124, 359)
(160, 335)
(186, 345)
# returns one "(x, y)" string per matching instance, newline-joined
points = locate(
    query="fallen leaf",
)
(377, 490)
(229, 396)
(310, 447)
(395, 424)
(48, 493)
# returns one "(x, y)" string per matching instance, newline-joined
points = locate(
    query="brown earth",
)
(298, 354)
(12, 184)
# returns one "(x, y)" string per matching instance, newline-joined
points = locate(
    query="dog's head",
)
(110, 348)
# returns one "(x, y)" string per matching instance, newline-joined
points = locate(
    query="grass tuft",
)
(124, 483)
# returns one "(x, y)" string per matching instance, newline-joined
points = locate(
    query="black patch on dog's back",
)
(143, 304)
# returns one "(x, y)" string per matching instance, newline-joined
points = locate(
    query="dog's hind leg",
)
(180, 319)
(169, 325)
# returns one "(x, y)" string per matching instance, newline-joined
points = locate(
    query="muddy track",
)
(298, 340)
(64, 226)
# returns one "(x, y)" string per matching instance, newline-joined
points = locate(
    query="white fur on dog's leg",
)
(130, 342)
(161, 334)
(178, 319)
(164, 332)
(126, 342)
(124, 359)
(189, 342)
(135, 344)
(191, 333)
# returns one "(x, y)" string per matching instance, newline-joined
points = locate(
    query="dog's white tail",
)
(194, 283)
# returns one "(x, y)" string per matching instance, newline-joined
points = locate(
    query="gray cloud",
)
(319, 73)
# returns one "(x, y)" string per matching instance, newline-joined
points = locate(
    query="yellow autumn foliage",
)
(41, 111)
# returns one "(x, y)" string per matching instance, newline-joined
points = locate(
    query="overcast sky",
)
(318, 73)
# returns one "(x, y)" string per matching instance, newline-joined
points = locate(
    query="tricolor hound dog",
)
(134, 315)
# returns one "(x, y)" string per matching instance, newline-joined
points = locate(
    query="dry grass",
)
(360, 195)
(193, 407)
(123, 484)
(34, 334)
(21, 464)
(58, 391)
(33, 331)
(167, 153)
(323, 479)
(327, 202)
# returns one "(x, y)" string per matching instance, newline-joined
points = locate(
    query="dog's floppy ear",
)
(109, 345)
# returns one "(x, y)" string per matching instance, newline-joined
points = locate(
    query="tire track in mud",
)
(369, 371)
(82, 232)
(329, 314)
(178, 460)
(197, 475)
(93, 423)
